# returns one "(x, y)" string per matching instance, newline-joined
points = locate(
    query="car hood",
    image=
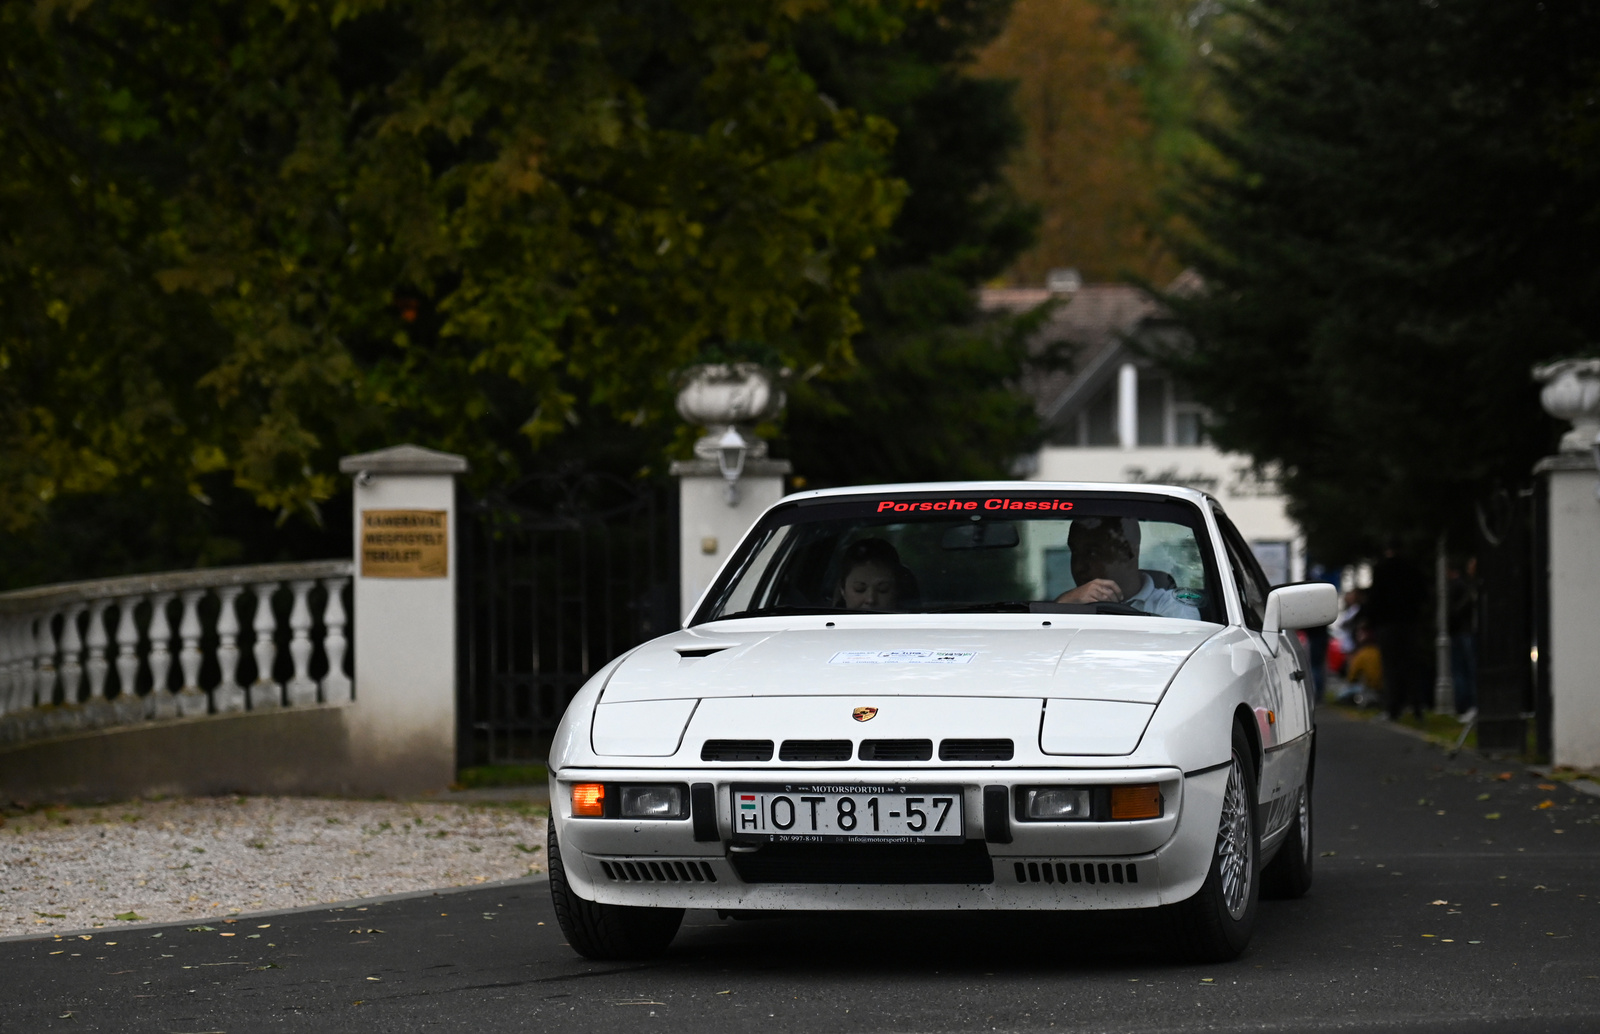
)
(1132, 662)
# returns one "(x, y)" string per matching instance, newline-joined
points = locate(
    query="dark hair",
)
(868, 551)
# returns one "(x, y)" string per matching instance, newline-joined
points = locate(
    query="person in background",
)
(1461, 599)
(1395, 605)
(1364, 672)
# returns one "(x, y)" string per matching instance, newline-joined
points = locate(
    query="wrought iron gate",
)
(559, 574)
(1508, 617)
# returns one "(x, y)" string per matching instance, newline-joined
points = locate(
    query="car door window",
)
(1247, 574)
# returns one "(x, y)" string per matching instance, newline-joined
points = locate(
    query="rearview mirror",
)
(1302, 605)
(981, 535)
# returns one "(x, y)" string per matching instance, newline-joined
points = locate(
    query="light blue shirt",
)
(1161, 602)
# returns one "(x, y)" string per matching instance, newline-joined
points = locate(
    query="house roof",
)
(1097, 320)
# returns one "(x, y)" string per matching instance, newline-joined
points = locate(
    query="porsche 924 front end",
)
(1011, 723)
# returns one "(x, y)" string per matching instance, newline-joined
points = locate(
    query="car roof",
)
(1169, 491)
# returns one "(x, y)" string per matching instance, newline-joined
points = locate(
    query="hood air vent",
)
(896, 750)
(736, 750)
(976, 750)
(814, 750)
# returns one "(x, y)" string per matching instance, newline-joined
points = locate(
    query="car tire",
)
(1215, 925)
(1289, 873)
(607, 932)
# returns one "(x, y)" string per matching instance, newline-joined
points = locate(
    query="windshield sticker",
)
(890, 506)
(903, 657)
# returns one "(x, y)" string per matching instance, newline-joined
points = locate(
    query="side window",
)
(1247, 573)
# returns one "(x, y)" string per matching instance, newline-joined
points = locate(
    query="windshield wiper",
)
(786, 611)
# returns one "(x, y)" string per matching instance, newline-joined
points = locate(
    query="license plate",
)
(821, 813)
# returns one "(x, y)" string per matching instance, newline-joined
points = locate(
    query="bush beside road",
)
(163, 861)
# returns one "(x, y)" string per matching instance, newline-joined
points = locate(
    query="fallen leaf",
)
(1546, 803)
(1441, 901)
(202, 929)
(1483, 797)
(1503, 776)
(1492, 815)
(1547, 786)
(375, 978)
(728, 992)
(129, 917)
(1329, 854)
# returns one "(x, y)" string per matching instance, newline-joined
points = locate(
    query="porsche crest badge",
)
(864, 714)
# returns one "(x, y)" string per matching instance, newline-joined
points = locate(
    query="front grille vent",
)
(736, 750)
(642, 870)
(1075, 872)
(976, 750)
(896, 750)
(814, 750)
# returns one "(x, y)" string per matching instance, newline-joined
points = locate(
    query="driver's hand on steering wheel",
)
(1100, 590)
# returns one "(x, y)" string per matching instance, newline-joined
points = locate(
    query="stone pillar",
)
(731, 481)
(1572, 392)
(402, 726)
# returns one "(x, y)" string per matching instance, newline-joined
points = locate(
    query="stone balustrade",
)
(121, 651)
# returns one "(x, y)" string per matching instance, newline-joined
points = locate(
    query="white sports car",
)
(1007, 695)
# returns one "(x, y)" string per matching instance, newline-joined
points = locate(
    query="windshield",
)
(1044, 552)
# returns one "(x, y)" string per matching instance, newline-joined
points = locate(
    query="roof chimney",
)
(1063, 281)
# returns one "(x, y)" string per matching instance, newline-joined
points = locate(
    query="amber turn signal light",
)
(1136, 802)
(588, 800)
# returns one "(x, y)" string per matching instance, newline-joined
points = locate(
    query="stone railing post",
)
(191, 698)
(335, 684)
(229, 695)
(403, 724)
(265, 691)
(163, 702)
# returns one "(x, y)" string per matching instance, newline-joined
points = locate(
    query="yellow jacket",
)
(1366, 667)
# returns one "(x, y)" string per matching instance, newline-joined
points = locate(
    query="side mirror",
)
(1302, 605)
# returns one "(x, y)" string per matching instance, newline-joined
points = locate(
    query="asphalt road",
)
(1427, 914)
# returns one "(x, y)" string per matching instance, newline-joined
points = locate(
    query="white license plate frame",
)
(816, 816)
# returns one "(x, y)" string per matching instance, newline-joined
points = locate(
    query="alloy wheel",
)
(1234, 844)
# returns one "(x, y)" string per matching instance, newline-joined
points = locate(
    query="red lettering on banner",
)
(972, 504)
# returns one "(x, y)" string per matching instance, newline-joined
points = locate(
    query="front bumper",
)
(1045, 865)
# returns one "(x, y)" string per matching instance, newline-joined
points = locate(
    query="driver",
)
(873, 577)
(1105, 564)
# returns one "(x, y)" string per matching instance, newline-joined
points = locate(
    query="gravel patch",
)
(169, 860)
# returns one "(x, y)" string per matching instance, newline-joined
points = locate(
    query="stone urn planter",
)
(1572, 392)
(720, 396)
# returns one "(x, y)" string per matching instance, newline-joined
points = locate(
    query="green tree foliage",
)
(1110, 91)
(238, 239)
(931, 395)
(1404, 222)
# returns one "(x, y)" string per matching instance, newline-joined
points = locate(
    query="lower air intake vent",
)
(865, 863)
(1077, 872)
(896, 750)
(815, 750)
(736, 750)
(656, 870)
(976, 750)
